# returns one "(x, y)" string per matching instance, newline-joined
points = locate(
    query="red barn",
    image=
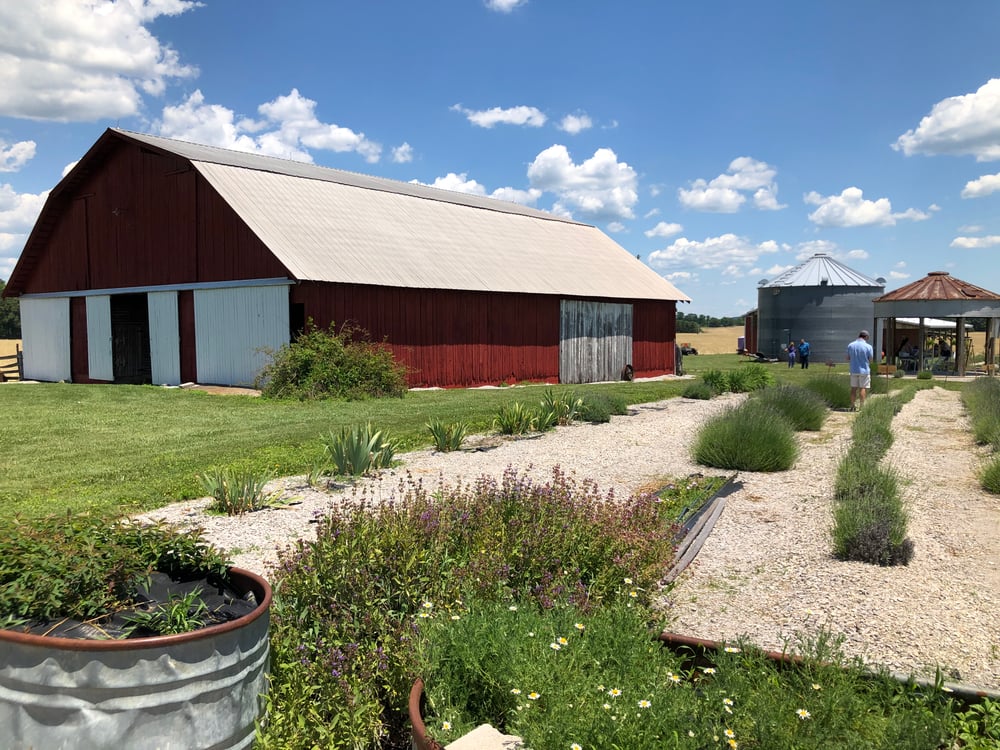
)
(160, 261)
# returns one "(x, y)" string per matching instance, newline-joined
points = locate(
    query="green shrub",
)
(559, 408)
(880, 385)
(357, 450)
(599, 406)
(982, 403)
(236, 491)
(717, 380)
(803, 408)
(833, 389)
(702, 391)
(898, 374)
(85, 567)
(332, 364)
(989, 477)
(749, 378)
(346, 603)
(750, 437)
(514, 419)
(924, 375)
(447, 437)
(872, 530)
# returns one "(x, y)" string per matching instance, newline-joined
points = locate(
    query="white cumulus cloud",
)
(288, 129)
(402, 154)
(601, 187)
(731, 253)
(574, 124)
(73, 60)
(726, 193)
(15, 156)
(959, 125)
(851, 209)
(504, 6)
(990, 240)
(988, 183)
(462, 183)
(488, 118)
(18, 212)
(664, 229)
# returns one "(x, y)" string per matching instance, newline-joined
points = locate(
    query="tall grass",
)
(833, 389)
(803, 408)
(982, 402)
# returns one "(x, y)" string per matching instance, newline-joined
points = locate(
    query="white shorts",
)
(861, 381)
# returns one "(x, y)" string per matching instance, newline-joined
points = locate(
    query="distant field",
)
(713, 340)
(7, 346)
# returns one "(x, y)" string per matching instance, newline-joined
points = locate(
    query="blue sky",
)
(722, 142)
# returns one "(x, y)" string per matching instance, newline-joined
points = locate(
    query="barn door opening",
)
(130, 339)
(595, 340)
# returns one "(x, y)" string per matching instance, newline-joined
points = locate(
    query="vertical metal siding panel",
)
(164, 338)
(45, 334)
(100, 365)
(233, 326)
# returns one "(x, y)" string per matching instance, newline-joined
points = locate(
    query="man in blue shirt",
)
(860, 354)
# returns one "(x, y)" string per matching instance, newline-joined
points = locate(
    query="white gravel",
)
(766, 571)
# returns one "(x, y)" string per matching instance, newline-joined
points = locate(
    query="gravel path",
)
(766, 571)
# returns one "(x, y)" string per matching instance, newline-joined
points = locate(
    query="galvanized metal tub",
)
(203, 689)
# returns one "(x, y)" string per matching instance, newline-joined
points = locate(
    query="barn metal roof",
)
(823, 270)
(330, 225)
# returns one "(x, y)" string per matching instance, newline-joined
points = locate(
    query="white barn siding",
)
(164, 338)
(233, 326)
(45, 334)
(595, 340)
(100, 364)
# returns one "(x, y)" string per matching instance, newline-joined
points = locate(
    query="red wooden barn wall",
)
(653, 336)
(143, 219)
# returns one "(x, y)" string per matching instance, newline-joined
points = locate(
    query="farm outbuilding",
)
(820, 300)
(160, 261)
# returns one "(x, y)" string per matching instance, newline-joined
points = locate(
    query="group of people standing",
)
(860, 355)
(800, 350)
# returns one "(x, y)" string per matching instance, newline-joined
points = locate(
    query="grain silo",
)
(822, 301)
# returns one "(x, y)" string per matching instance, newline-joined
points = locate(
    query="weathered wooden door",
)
(595, 340)
(130, 339)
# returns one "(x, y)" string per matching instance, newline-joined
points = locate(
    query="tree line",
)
(694, 323)
(10, 316)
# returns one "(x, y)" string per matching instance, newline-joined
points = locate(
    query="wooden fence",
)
(12, 366)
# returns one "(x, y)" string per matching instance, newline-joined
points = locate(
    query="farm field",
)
(9, 346)
(713, 340)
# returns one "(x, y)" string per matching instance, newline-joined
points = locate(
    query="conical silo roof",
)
(823, 270)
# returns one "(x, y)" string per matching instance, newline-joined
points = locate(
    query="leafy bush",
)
(717, 380)
(563, 678)
(835, 391)
(343, 631)
(749, 437)
(514, 419)
(357, 450)
(702, 391)
(803, 408)
(86, 567)
(750, 377)
(236, 491)
(898, 374)
(332, 364)
(924, 375)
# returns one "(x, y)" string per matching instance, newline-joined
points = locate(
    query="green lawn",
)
(120, 449)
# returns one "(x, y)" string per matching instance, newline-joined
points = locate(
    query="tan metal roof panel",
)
(330, 231)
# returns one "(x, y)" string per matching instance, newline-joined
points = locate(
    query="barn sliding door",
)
(595, 340)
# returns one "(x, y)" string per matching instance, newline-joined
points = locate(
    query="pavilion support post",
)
(960, 351)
